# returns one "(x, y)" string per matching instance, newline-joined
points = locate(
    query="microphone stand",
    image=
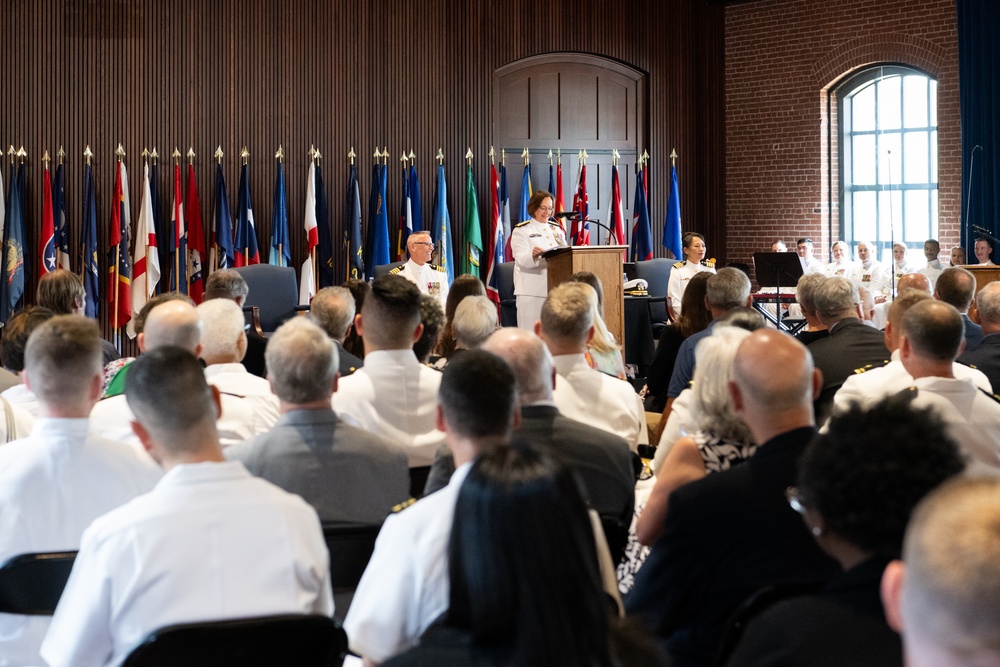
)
(575, 217)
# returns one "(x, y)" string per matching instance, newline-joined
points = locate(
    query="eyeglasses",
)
(794, 499)
(426, 243)
(546, 208)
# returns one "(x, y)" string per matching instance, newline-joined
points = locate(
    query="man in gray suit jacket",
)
(347, 474)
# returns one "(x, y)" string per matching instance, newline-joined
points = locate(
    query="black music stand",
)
(775, 269)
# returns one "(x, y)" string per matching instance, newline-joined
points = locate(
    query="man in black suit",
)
(602, 460)
(333, 309)
(229, 284)
(986, 356)
(732, 533)
(957, 286)
(851, 344)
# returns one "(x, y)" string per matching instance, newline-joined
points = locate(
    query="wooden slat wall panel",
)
(401, 75)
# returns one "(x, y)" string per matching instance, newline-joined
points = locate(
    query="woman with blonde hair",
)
(603, 352)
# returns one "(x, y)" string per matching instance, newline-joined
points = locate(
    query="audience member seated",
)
(810, 265)
(210, 542)
(932, 339)
(432, 319)
(463, 286)
(934, 267)
(393, 395)
(249, 407)
(984, 251)
(229, 284)
(957, 256)
(475, 319)
(60, 478)
(695, 317)
(870, 273)
(62, 292)
(901, 265)
(353, 343)
(525, 585)
(849, 346)
(405, 586)
(15, 337)
(566, 326)
(732, 533)
(957, 287)
(333, 310)
(722, 439)
(986, 356)
(346, 474)
(168, 321)
(840, 261)
(603, 352)
(858, 519)
(869, 385)
(943, 596)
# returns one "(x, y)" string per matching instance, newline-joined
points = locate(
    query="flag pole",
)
(218, 156)
(280, 154)
(145, 175)
(87, 154)
(245, 154)
(314, 153)
(177, 255)
(120, 152)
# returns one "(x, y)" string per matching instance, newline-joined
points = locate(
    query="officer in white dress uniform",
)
(840, 264)
(429, 278)
(528, 241)
(694, 249)
(869, 272)
(983, 250)
(210, 542)
(804, 249)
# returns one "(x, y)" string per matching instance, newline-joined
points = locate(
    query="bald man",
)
(904, 281)
(732, 533)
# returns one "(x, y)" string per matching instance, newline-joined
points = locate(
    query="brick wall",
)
(782, 57)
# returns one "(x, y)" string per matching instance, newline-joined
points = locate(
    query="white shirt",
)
(531, 273)
(429, 279)
(680, 275)
(843, 268)
(604, 402)
(395, 396)
(405, 586)
(52, 485)
(210, 542)
(811, 265)
(682, 421)
(869, 387)
(249, 407)
(972, 419)
(871, 276)
(23, 398)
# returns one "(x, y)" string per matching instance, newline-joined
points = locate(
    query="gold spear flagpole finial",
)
(526, 155)
(440, 156)
(61, 154)
(673, 157)
(218, 154)
(11, 153)
(21, 153)
(585, 156)
(550, 157)
(351, 155)
(190, 155)
(377, 154)
(120, 152)
(493, 155)
(385, 155)
(317, 156)
(245, 154)
(46, 159)
(176, 155)
(154, 155)
(312, 151)
(87, 154)
(503, 156)
(145, 154)
(645, 156)
(558, 156)
(413, 156)
(468, 155)
(403, 159)
(280, 153)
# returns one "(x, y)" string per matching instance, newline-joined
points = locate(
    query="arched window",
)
(888, 158)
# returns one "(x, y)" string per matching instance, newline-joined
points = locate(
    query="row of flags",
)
(168, 255)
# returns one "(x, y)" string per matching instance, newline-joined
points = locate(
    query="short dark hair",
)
(391, 312)
(956, 286)
(432, 317)
(477, 395)
(226, 284)
(536, 200)
(689, 238)
(934, 329)
(166, 389)
(522, 562)
(806, 240)
(986, 241)
(59, 291)
(16, 333)
(871, 468)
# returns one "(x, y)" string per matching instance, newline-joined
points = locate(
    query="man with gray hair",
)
(805, 294)
(944, 595)
(986, 355)
(850, 345)
(333, 309)
(229, 284)
(475, 319)
(932, 337)
(583, 393)
(249, 407)
(348, 475)
(60, 478)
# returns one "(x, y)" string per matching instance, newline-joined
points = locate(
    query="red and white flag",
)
(145, 260)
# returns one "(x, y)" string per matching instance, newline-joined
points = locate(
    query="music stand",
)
(775, 269)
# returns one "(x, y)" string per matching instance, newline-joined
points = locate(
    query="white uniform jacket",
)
(429, 279)
(680, 275)
(531, 273)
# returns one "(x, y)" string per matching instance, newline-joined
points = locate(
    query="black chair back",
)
(300, 640)
(351, 548)
(508, 302)
(31, 584)
(656, 273)
(274, 290)
(384, 269)
(616, 533)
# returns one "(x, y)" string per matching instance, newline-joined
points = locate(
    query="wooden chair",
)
(301, 640)
(31, 584)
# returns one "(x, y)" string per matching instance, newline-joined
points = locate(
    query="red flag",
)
(496, 239)
(46, 241)
(581, 206)
(119, 272)
(617, 216)
(178, 238)
(196, 238)
(560, 206)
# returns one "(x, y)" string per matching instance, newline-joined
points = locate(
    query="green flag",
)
(473, 234)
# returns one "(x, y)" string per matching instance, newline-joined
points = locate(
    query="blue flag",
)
(522, 213)
(377, 238)
(672, 223)
(13, 250)
(324, 249)
(281, 253)
(245, 249)
(415, 211)
(552, 180)
(352, 228)
(222, 226)
(405, 219)
(88, 245)
(641, 247)
(61, 227)
(442, 226)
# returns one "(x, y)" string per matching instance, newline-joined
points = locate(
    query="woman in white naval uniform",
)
(528, 241)
(694, 251)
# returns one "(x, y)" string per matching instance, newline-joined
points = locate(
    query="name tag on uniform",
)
(534, 236)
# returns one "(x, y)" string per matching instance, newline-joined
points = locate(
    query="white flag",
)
(145, 261)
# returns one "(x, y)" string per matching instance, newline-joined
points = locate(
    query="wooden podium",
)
(605, 262)
(983, 274)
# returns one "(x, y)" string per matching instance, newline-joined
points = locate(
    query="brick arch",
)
(850, 56)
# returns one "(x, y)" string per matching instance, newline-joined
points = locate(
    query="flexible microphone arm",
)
(968, 196)
(573, 216)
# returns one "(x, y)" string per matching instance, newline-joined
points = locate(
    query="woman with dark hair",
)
(694, 249)
(528, 241)
(694, 317)
(464, 285)
(525, 582)
(858, 483)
